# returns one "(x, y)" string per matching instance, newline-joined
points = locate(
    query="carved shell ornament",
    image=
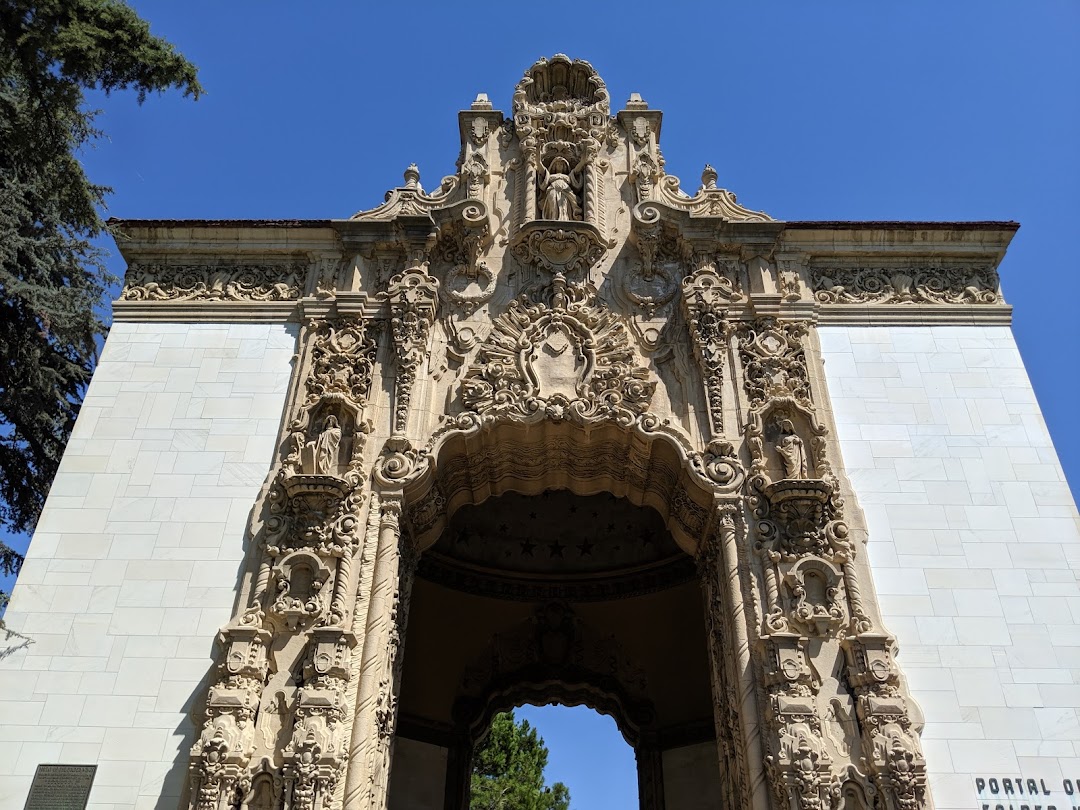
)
(575, 360)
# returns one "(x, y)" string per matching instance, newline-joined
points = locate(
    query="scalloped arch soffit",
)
(474, 461)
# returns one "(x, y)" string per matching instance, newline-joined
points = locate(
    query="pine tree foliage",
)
(508, 770)
(52, 279)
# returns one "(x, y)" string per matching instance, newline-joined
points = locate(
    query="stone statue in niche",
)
(792, 451)
(559, 191)
(323, 449)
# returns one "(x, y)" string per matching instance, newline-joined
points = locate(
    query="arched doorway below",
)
(577, 600)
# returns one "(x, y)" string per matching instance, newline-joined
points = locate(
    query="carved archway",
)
(638, 462)
(646, 466)
(559, 663)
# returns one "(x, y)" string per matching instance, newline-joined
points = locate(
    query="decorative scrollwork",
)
(413, 297)
(710, 201)
(908, 285)
(572, 362)
(212, 282)
(563, 250)
(411, 199)
(774, 361)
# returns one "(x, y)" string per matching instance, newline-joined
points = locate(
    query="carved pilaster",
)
(737, 717)
(889, 736)
(307, 532)
(380, 668)
(314, 758)
(413, 297)
(218, 772)
(706, 293)
(798, 764)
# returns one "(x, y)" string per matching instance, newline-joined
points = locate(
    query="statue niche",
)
(562, 115)
(560, 190)
(321, 453)
(788, 454)
(325, 447)
(814, 590)
(299, 583)
(792, 452)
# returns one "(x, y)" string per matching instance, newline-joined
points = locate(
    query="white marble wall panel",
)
(136, 559)
(974, 543)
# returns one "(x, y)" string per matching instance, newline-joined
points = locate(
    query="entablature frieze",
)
(832, 273)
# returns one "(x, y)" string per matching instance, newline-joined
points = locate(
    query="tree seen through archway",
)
(508, 770)
(582, 749)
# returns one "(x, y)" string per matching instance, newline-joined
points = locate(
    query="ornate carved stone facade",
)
(561, 315)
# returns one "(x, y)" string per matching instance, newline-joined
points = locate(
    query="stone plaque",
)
(60, 787)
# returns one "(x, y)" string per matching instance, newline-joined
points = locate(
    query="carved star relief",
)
(556, 549)
(586, 547)
(527, 547)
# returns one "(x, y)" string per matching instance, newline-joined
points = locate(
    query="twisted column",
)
(364, 783)
(722, 583)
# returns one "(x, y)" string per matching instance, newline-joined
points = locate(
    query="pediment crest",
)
(709, 201)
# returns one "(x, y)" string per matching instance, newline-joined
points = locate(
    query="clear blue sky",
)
(840, 110)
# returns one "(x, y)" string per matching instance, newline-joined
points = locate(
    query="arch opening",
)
(553, 597)
(585, 749)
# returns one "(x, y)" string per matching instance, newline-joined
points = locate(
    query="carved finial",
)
(708, 177)
(636, 102)
(481, 102)
(412, 176)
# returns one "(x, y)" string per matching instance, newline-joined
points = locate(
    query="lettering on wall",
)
(1026, 793)
(60, 787)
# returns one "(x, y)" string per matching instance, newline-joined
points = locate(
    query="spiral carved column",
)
(380, 668)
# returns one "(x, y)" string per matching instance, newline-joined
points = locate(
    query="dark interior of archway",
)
(612, 565)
